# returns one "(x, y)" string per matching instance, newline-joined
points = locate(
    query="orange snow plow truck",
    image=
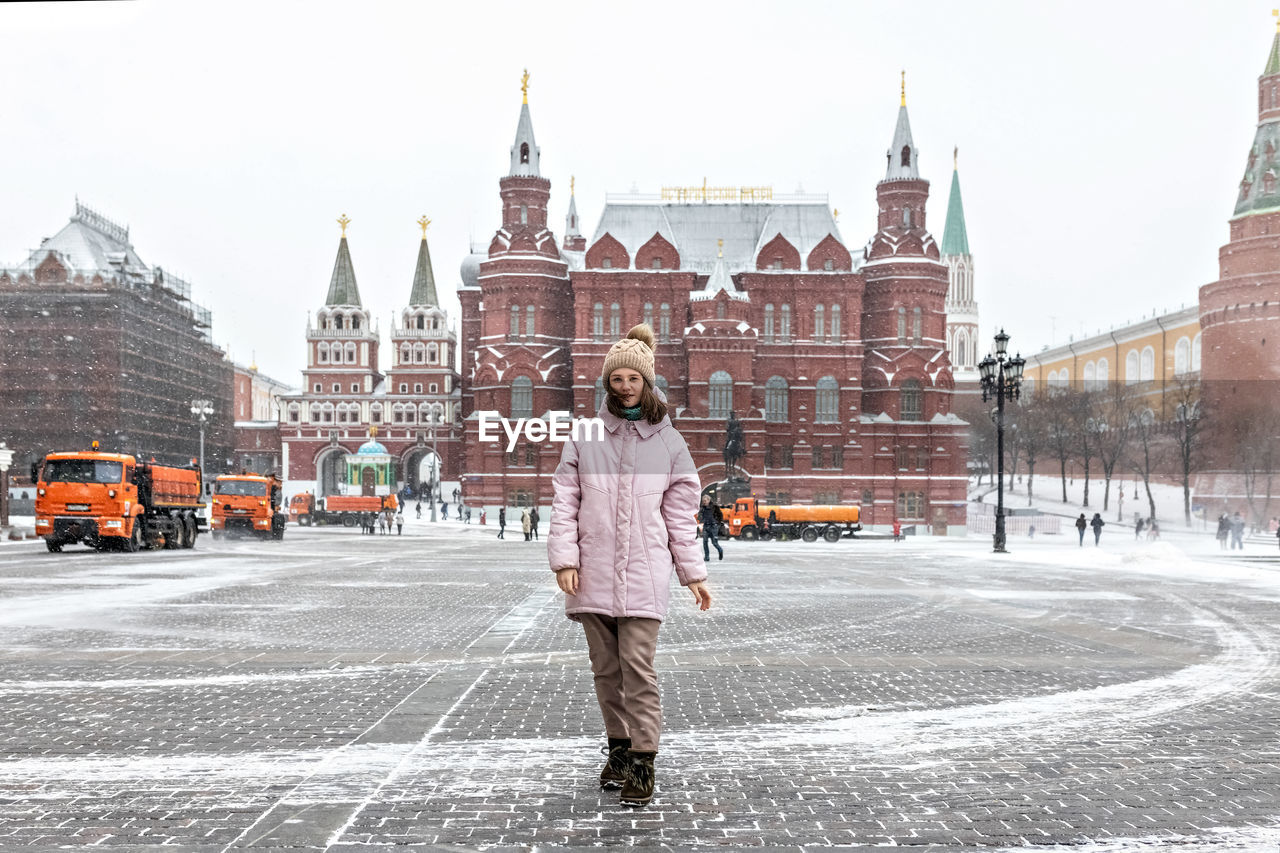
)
(247, 503)
(337, 509)
(115, 500)
(747, 519)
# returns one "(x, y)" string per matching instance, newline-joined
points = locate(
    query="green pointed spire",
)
(955, 238)
(424, 280)
(1273, 58)
(342, 285)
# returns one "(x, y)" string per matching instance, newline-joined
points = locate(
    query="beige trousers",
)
(622, 651)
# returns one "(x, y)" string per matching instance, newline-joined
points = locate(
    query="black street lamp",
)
(1002, 379)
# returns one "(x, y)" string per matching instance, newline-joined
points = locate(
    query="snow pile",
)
(1161, 553)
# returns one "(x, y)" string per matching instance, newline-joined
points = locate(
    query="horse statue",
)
(735, 446)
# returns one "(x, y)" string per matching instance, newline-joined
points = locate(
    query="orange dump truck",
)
(337, 509)
(748, 519)
(115, 500)
(247, 503)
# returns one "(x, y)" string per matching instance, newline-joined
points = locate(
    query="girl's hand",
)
(567, 579)
(701, 595)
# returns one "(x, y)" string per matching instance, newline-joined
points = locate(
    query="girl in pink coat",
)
(624, 514)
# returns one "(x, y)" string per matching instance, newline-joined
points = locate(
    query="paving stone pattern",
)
(353, 693)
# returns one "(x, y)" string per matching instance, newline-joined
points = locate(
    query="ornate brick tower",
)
(962, 306)
(522, 363)
(907, 377)
(1240, 313)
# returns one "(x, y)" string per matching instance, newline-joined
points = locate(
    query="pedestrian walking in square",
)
(418, 508)
(526, 524)
(1137, 528)
(1237, 531)
(534, 518)
(1082, 525)
(1097, 524)
(399, 523)
(710, 517)
(897, 530)
(624, 513)
(444, 511)
(1224, 530)
(502, 521)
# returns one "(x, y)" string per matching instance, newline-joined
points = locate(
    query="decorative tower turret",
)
(573, 239)
(342, 346)
(962, 306)
(521, 365)
(423, 392)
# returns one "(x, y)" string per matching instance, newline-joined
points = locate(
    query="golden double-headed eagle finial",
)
(524, 85)
(344, 222)
(423, 223)
(904, 87)
(1275, 13)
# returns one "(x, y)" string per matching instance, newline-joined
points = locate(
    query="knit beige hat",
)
(634, 351)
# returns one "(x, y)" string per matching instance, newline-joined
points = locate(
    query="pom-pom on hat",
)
(634, 351)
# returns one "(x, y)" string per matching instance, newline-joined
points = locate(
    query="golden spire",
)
(955, 159)
(835, 214)
(904, 87)
(524, 85)
(373, 432)
(571, 185)
(1276, 14)
(344, 222)
(720, 247)
(423, 223)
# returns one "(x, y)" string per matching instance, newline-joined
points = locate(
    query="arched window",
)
(720, 395)
(599, 393)
(1148, 364)
(326, 413)
(615, 320)
(819, 323)
(433, 353)
(1195, 353)
(405, 353)
(422, 321)
(375, 413)
(957, 346)
(917, 326)
(1090, 374)
(648, 314)
(322, 352)
(337, 321)
(906, 155)
(315, 413)
(524, 152)
(664, 323)
(720, 310)
(528, 322)
(294, 412)
(514, 328)
(912, 404)
(902, 325)
(1104, 373)
(522, 397)
(355, 321)
(524, 214)
(1131, 371)
(826, 409)
(1182, 356)
(597, 321)
(906, 217)
(785, 330)
(835, 324)
(351, 353)
(768, 323)
(424, 413)
(775, 400)
(660, 382)
(419, 353)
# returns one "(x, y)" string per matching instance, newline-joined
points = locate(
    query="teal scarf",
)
(632, 414)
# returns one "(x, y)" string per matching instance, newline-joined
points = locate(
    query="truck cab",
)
(247, 503)
(88, 497)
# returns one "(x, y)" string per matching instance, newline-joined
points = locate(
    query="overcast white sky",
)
(1101, 143)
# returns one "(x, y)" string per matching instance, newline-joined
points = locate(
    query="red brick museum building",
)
(834, 360)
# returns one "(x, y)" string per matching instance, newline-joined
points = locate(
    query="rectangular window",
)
(530, 451)
(713, 442)
(868, 498)
(355, 388)
(664, 323)
(826, 498)
(901, 454)
(337, 388)
(316, 388)
(768, 456)
(837, 456)
(528, 322)
(818, 458)
(417, 387)
(777, 497)
(910, 504)
(404, 387)
(787, 458)
(922, 458)
(433, 388)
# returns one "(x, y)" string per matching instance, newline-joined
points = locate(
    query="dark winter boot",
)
(613, 774)
(637, 790)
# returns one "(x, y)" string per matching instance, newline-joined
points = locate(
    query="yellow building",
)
(1158, 350)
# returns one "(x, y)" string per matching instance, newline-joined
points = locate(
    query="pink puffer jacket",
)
(624, 511)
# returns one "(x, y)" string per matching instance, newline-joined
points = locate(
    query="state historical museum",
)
(834, 361)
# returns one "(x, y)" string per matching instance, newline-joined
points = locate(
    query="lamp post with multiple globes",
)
(1002, 379)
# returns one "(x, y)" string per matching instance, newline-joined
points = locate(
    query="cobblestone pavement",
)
(353, 693)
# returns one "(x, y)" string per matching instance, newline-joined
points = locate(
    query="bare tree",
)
(1081, 416)
(1257, 452)
(1032, 434)
(1189, 429)
(1113, 424)
(1144, 449)
(1059, 432)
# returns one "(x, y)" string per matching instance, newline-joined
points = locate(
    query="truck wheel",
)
(348, 520)
(173, 537)
(135, 542)
(748, 534)
(809, 534)
(188, 531)
(832, 534)
(54, 547)
(304, 520)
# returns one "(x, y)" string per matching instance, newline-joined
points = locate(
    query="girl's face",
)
(626, 385)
